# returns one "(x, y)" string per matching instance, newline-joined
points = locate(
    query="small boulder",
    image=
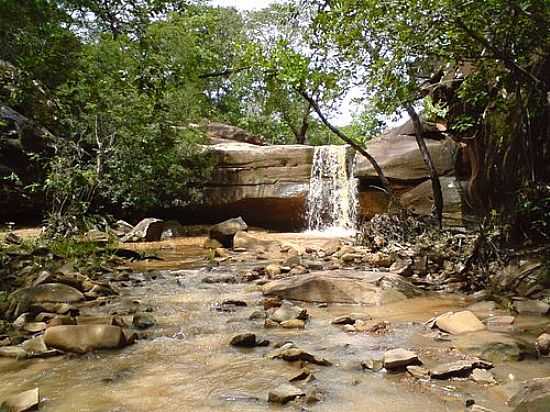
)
(148, 230)
(418, 372)
(48, 292)
(13, 239)
(291, 353)
(482, 376)
(399, 359)
(288, 311)
(24, 401)
(244, 340)
(284, 393)
(293, 324)
(272, 270)
(84, 338)
(224, 232)
(459, 322)
(461, 368)
(533, 396)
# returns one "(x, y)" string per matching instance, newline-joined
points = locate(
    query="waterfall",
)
(332, 198)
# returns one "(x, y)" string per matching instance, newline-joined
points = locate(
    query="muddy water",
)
(186, 364)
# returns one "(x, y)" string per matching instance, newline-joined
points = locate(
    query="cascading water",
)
(332, 199)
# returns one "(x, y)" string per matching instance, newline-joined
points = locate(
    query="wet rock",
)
(313, 395)
(418, 372)
(284, 394)
(461, 368)
(482, 376)
(543, 344)
(336, 287)
(244, 340)
(21, 320)
(301, 375)
(533, 396)
(293, 324)
(221, 278)
(484, 307)
(459, 322)
(402, 267)
(84, 338)
(24, 401)
(148, 230)
(59, 320)
(351, 257)
(529, 306)
(343, 320)
(12, 352)
(373, 363)
(395, 359)
(288, 311)
(143, 320)
(379, 259)
(493, 346)
(290, 353)
(373, 327)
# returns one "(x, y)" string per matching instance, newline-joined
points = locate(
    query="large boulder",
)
(84, 338)
(24, 401)
(23, 300)
(397, 153)
(148, 230)
(224, 232)
(337, 287)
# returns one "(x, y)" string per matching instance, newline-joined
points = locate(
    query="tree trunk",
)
(393, 198)
(436, 184)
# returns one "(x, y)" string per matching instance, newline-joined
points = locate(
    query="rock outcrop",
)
(250, 179)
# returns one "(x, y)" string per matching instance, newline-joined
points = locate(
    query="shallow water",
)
(186, 364)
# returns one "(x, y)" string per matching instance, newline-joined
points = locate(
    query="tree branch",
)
(348, 140)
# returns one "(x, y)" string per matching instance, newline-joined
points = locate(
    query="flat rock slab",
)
(535, 307)
(493, 346)
(285, 393)
(22, 402)
(335, 287)
(459, 322)
(399, 359)
(291, 353)
(460, 368)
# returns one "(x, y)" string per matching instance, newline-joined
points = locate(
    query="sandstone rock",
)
(24, 401)
(121, 228)
(379, 259)
(495, 347)
(500, 323)
(148, 230)
(460, 368)
(285, 393)
(291, 353)
(84, 338)
(543, 344)
(459, 322)
(219, 133)
(351, 257)
(12, 352)
(288, 311)
(373, 363)
(482, 376)
(335, 287)
(293, 324)
(34, 327)
(224, 232)
(399, 358)
(536, 307)
(293, 261)
(301, 375)
(418, 372)
(533, 396)
(331, 247)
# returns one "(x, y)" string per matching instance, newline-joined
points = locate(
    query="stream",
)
(185, 362)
